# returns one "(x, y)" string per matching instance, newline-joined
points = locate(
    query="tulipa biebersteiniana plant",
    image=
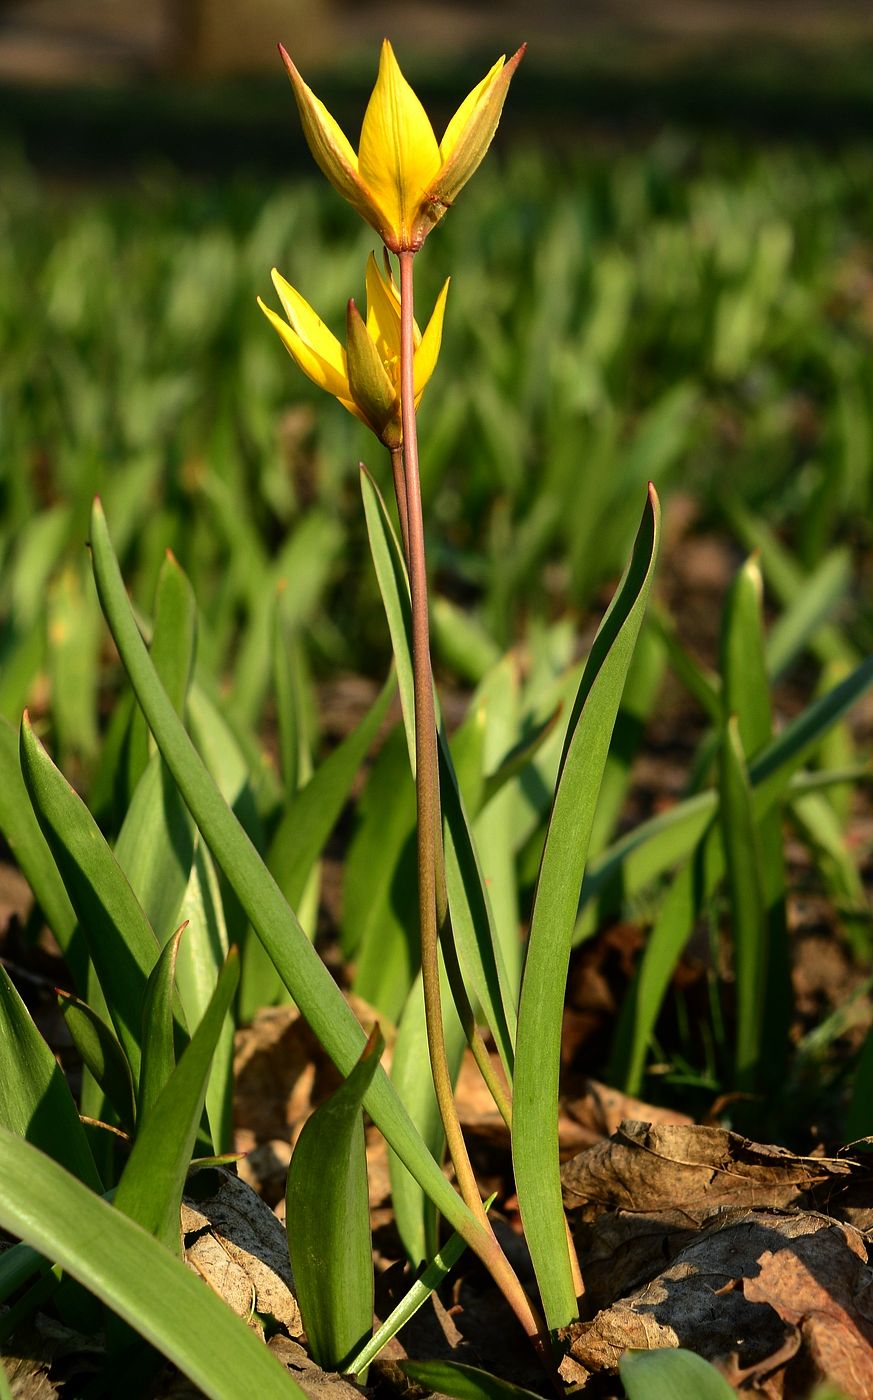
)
(213, 849)
(402, 182)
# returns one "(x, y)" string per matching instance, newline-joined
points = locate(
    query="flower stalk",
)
(433, 905)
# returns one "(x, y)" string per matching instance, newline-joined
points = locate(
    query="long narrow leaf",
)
(120, 940)
(300, 967)
(312, 813)
(158, 1048)
(414, 1214)
(535, 1111)
(135, 1276)
(743, 860)
(431, 1279)
(327, 1217)
(151, 1185)
(101, 1054)
(34, 1099)
(22, 834)
(479, 953)
(463, 1382)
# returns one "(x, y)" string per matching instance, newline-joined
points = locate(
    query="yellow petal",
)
(383, 312)
(320, 344)
(428, 351)
(464, 114)
(398, 156)
(467, 138)
(327, 142)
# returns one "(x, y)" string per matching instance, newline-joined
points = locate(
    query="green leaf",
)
(463, 1382)
(158, 1046)
(101, 1054)
(535, 1098)
(312, 813)
(671, 1375)
(394, 588)
(431, 1279)
(35, 1102)
(173, 648)
(808, 608)
(479, 953)
(199, 961)
(151, 1185)
(74, 644)
(743, 860)
(135, 1276)
(414, 1215)
(656, 845)
(745, 683)
(753, 845)
(306, 977)
(22, 834)
(380, 884)
(155, 847)
(120, 940)
(327, 1217)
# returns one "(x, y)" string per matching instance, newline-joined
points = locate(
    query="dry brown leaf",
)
(828, 1294)
(233, 1240)
(651, 1167)
(783, 1298)
(318, 1384)
(281, 1073)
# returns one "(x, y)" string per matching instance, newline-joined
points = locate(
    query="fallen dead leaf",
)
(828, 1294)
(649, 1167)
(234, 1241)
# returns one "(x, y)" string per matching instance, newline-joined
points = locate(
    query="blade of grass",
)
(535, 1115)
(312, 813)
(135, 1276)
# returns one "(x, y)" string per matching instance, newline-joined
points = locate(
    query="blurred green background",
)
(664, 269)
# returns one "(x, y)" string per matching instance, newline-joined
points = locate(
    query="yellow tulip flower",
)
(365, 373)
(402, 180)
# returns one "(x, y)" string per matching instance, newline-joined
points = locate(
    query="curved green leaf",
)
(312, 813)
(327, 1217)
(22, 834)
(151, 1185)
(135, 1276)
(463, 1382)
(158, 1046)
(101, 1054)
(535, 1098)
(120, 940)
(34, 1099)
(671, 1375)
